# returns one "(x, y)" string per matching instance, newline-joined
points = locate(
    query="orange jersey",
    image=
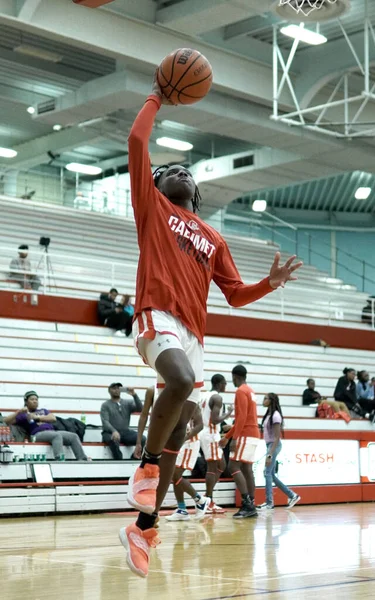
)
(245, 414)
(179, 253)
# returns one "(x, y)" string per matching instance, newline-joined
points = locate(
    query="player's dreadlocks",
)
(197, 199)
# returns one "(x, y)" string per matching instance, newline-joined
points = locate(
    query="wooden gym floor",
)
(310, 553)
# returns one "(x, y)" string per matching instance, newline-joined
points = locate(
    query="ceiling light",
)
(298, 32)
(38, 53)
(57, 127)
(362, 193)
(84, 169)
(259, 205)
(174, 144)
(30, 110)
(7, 153)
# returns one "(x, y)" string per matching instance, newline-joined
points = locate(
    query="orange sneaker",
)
(214, 509)
(137, 544)
(142, 488)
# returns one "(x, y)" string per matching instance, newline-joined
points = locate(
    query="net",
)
(306, 6)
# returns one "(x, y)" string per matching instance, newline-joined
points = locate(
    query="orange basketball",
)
(185, 76)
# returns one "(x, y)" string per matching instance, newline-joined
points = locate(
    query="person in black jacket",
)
(346, 389)
(310, 395)
(112, 314)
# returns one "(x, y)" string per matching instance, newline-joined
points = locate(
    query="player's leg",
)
(214, 470)
(174, 369)
(181, 513)
(247, 470)
(237, 457)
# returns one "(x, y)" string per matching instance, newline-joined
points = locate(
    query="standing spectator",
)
(365, 392)
(115, 414)
(245, 434)
(272, 425)
(345, 390)
(20, 270)
(38, 422)
(112, 313)
(310, 395)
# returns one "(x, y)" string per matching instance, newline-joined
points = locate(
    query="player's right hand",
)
(230, 409)
(157, 91)
(223, 442)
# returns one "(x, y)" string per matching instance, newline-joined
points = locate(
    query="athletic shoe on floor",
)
(179, 515)
(293, 501)
(137, 544)
(265, 506)
(246, 511)
(142, 488)
(214, 509)
(201, 507)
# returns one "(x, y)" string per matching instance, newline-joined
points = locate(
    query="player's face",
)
(223, 386)
(177, 184)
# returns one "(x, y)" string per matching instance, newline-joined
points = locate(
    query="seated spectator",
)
(328, 409)
(365, 393)
(310, 395)
(367, 312)
(20, 270)
(115, 414)
(128, 307)
(112, 314)
(345, 390)
(38, 422)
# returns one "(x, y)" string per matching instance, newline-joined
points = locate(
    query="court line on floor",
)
(299, 589)
(253, 581)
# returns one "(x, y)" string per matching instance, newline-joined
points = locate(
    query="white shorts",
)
(188, 455)
(245, 449)
(155, 331)
(210, 446)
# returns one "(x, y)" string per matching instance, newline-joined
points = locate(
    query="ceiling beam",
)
(249, 26)
(27, 9)
(144, 45)
(34, 152)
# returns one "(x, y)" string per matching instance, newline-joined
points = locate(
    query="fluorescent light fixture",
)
(30, 110)
(7, 153)
(38, 53)
(57, 127)
(298, 32)
(259, 205)
(174, 144)
(84, 169)
(362, 193)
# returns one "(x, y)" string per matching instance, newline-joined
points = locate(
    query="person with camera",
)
(20, 270)
(115, 414)
(112, 314)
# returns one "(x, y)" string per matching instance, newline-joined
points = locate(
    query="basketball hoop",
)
(305, 6)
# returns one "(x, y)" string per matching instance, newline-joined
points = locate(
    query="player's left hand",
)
(279, 275)
(223, 442)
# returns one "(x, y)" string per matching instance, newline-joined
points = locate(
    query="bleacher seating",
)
(91, 252)
(71, 367)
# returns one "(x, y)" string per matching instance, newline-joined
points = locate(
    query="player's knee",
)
(182, 383)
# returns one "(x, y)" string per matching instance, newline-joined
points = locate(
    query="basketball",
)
(185, 76)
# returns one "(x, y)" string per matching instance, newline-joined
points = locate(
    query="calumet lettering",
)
(179, 227)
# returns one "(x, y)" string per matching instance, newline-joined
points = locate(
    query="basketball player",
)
(179, 257)
(213, 416)
(186, 459)
(245, 434)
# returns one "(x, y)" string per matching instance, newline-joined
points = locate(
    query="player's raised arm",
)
(228, 279)
(141, 180)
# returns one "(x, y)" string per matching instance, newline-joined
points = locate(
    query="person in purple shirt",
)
(38, 422)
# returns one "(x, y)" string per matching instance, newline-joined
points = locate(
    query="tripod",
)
(45, 265)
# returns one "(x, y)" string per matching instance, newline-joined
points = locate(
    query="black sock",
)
(145, 521)
(245, 498)
(151, 459)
